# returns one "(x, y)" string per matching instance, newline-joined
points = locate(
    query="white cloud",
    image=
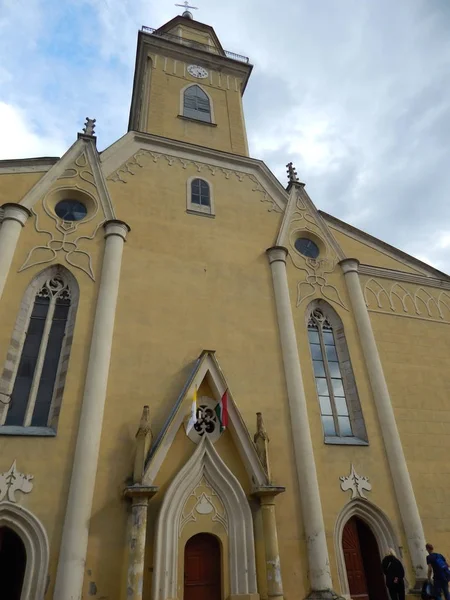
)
(19, 138)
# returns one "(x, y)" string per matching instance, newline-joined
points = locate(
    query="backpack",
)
(444, 569)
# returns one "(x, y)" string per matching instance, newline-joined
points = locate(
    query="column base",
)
(417, 589)
(243, 597)
(323, 595)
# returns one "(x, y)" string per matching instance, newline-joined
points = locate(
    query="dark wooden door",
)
(202, 570)
(372, 562)
(354, 562)
(13, 559)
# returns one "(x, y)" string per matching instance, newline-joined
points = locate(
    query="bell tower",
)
(187, 87)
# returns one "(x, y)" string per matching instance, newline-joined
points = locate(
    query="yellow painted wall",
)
(168, 78)
(368, 255)
(14, 186)
(188, 283)
(49, 460)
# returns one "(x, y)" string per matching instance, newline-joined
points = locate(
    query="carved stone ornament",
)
(144, 158)
(207, 421)
(204, 502)
(316, 271)
(356, 483)
(12, 481)
(407, 300)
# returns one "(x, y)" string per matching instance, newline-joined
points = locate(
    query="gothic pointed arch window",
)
(196, 104)
(33, 378)
(340, 408)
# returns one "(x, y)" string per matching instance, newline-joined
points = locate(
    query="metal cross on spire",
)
(186, 7)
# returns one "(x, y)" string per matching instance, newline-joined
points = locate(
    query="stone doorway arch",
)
(205, 464)
(32, 533)
(380, 526)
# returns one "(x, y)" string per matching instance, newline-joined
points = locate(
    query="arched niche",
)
(33, 535)
(204, 465)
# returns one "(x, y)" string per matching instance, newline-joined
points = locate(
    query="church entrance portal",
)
(363, 562)
(13, 560)
(202, 568)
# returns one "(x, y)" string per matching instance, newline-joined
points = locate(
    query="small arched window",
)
(33, 378)
(196, 104)
(338, 397)
(199, 196)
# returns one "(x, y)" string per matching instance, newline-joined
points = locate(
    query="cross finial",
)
(292, 173)
(89, 127)
(186, 7)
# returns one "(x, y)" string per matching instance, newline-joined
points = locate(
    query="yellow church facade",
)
(147, 286)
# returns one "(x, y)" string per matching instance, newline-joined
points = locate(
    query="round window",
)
(307, 247)
(71, 210)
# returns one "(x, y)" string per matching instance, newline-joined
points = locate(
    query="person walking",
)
(438, 567)
(395, 575)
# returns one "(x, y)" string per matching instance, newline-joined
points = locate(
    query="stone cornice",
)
(27, 165)
(391, 251)
(114, 157)
(394, 275)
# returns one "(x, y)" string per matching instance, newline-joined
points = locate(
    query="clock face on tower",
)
(197, 71)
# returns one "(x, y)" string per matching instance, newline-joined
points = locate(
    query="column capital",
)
(16, 212)
(349, 265)
(140, 492)
(267, 493)
(277, 254)
(116, 227)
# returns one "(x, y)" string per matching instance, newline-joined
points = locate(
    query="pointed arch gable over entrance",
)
(206, 367)
(205, 463)
(380, 526)
(34, 538)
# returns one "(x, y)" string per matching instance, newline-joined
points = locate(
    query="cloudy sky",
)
(355, 92)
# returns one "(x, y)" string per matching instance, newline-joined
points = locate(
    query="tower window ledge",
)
(197, 121)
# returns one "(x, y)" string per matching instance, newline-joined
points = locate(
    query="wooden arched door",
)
(363, 562)
(13, 560)
(202, 568)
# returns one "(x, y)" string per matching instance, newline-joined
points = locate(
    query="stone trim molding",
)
(380, 526)
(386, 249)
(121, 156)
(383, 273)
(207, 367)
(27, 165)
(13, 355)
(205, 462)
(33, 535)
(69, 166)
(301, 219)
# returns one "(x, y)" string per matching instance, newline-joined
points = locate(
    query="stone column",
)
(71, 565)
(14, 218)
(140, 496)
(316, 543)
(394, 450)
(273, 570)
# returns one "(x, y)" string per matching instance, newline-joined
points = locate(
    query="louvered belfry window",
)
(196, 104)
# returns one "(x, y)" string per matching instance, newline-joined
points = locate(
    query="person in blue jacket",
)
(438, 567)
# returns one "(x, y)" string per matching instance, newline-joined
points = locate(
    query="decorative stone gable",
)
(302, 220)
